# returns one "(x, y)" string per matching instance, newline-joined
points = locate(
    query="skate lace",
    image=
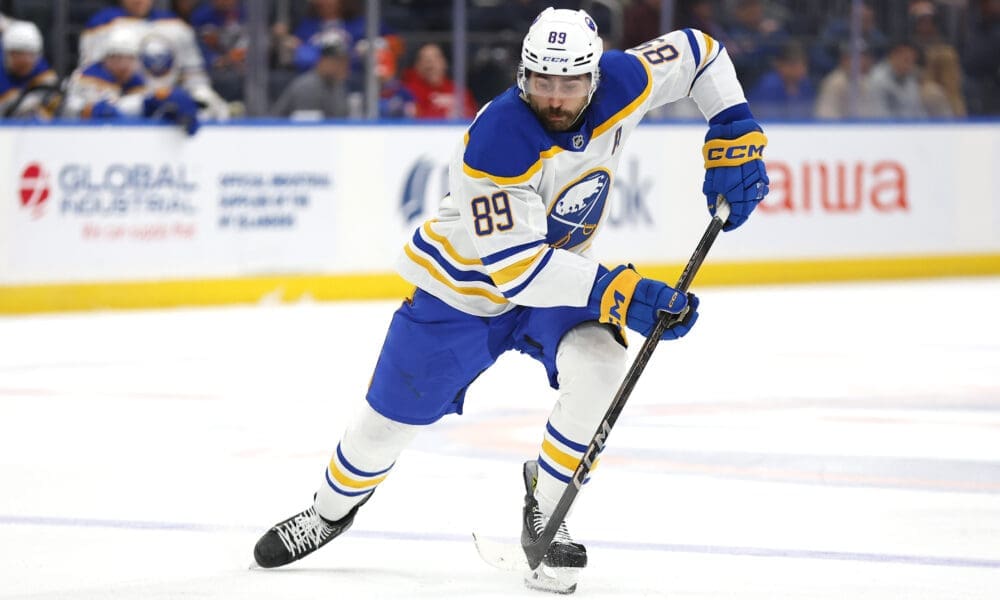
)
(303, 533)
(538, 521)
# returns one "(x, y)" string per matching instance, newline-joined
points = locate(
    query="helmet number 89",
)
(557, 37)
(491, 214)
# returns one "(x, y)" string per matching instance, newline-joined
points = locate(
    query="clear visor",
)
(557, 86)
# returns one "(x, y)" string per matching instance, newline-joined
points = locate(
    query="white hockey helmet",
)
(121, 41)
(561, 42)
(22, 36)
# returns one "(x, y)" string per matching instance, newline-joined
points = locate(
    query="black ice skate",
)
(561, 565)
(299, 536)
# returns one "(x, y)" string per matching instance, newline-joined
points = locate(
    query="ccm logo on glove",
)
(730, 153)
(623, 298)
(734, 169)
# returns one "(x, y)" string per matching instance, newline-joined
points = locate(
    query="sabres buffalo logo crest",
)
(577, 210)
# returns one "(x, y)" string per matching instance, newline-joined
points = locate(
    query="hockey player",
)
(169, 53)
(505, 265)
(114, 88)
(28, 87)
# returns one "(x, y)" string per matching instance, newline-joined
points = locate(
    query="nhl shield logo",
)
(578, 141)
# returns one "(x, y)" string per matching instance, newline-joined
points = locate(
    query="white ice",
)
(814, 442)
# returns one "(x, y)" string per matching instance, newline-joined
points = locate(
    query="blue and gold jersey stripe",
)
(455, 273)
(517, 269)
(520, 265)
(702, 63)
(446, 245)
(540, 266)
(468, 282)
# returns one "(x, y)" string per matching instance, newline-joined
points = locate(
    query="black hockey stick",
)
(535, 551)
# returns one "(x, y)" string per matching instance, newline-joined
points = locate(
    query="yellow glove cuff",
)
(732, 153)
(617, 296)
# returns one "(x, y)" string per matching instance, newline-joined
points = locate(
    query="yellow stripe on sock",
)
(357, 484)
(563, 459)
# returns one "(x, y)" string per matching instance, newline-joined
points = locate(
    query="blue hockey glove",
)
(734, 169)
(174, 106)
(624, 298)
(102, 109)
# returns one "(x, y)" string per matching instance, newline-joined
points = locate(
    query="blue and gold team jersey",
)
(526, 203)
(12, 86)
(169, 53)
(95, 84)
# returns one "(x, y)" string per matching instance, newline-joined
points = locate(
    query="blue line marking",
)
(714, 550)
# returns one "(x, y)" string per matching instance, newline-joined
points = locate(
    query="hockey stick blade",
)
(497, 554)
(535, 551)
(510, 558)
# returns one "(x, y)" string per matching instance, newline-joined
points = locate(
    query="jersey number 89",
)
(491, 214)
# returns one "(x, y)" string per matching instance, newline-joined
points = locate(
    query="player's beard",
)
(556, 119)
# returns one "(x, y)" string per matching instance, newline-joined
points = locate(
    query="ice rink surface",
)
(814, 442)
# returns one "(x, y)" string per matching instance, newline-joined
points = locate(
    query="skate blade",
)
(556, 580)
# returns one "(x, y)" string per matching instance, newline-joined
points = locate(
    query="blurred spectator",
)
(700, 15)
(982, 58)
(641, 22)
(941, 87)
(223, 38)
(342, 15)
(895, 84)
(434, 91)
(396, 101)
(924, 26)
(834, 100)
(941, 82)
(786, 91)
(322, 91)
(824, 54)
(184, 8)
(169, 53)
(114, 88)
(28, 87)
(754, 40)
(222, 33)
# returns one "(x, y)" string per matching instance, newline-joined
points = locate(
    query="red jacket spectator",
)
(435, 92)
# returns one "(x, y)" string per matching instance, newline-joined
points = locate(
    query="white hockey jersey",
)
(88, 86)
(168, 52)
(525, 203)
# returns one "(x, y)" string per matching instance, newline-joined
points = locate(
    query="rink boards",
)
(143, 216)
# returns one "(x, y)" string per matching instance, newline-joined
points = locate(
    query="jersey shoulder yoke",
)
(625, 84)
(506, 142)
